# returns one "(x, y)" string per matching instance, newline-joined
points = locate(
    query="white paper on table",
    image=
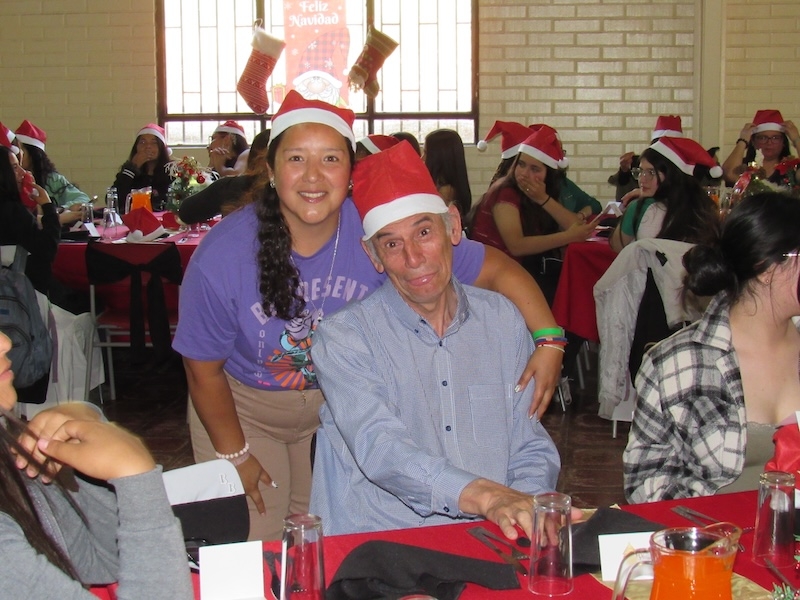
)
(232, 571)
(92, 229)
(615, 546)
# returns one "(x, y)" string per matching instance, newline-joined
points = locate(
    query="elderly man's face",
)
(417, 255)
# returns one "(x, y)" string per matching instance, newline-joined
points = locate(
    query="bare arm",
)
(212, 399)
(504, 275)
(732, 167)
(509, 225)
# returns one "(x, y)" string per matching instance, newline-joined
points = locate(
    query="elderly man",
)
(422, 423)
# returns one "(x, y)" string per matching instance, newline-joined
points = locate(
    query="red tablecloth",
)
(739, 508)
(573, 306)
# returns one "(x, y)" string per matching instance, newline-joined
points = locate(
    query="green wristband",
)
(548, 331)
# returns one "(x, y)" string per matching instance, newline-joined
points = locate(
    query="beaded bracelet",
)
(238, 454)
(557, 331)
(554, 346)
(239, 460)
(742, 140)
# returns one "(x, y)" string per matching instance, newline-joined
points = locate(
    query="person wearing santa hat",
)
(35, 159)
(374, 143)
(523, 213)
(769, 135)
(672, 203)
(145, 167)
(712, 397)
(379, 452)
(260, 283)
(21, 227)
(410, 138)
(228, 149)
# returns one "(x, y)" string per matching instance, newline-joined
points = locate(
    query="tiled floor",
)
(153, 405)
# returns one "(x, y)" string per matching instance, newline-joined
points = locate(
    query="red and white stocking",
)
(252, 85)
(364, 74)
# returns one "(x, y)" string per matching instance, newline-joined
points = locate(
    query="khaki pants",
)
(279, 426)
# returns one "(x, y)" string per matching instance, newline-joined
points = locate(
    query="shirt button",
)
(448, 428)
(447, 509)
(444, 383)
(440, 343)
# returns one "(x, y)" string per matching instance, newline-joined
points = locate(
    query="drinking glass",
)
(774, 535)
(551, 547)
(109, 224)
(302, 567)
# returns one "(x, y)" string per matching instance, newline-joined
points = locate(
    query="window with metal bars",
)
(428, 82)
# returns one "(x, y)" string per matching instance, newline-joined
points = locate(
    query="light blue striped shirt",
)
(412, 418)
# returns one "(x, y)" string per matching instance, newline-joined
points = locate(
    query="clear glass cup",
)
(109, 224)
(550, 571)
(302, 564)
(774, 534)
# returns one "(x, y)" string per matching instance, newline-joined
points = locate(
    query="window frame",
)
(370, 116)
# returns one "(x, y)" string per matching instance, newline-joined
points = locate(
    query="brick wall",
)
(599, 71)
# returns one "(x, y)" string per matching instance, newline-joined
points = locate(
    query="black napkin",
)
(378, 569)
(586, 548)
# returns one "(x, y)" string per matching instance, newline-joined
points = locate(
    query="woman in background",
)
(20, 227)
(62, 528)
(670, 202)
(443, 153)
(228, 150)
(145, 167)
(710, 398)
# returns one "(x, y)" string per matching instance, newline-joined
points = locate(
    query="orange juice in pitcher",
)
(139, 199)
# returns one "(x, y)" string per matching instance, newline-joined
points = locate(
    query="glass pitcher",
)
(689, 563)
(139, 199)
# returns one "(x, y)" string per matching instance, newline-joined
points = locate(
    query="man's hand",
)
(44, 425)
(501, 505)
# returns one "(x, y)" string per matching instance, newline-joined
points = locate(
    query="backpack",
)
(32, 348)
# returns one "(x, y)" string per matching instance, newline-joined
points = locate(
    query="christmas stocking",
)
(252, 84)
(364, 73)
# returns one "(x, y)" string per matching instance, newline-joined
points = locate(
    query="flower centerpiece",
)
(188, 178)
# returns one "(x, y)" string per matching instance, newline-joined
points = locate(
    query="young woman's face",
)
(19, 172)
(24, 159)
(770, 143)
(312, 173)
(649, 178)
(8, 395)
(528, 169)
(147, 144)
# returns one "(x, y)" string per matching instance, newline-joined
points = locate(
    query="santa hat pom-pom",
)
(482, 146)
(715, 172)
(563, 163)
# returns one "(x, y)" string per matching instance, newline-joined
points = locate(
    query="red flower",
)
(201, 179)
(789, 164)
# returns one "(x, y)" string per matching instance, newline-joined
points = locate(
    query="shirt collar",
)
(411, 320)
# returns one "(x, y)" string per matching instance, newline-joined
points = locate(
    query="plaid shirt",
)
(689, 429)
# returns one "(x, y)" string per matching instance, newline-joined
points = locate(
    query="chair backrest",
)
(118, 263)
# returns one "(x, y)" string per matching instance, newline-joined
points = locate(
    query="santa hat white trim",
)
(542, 157)
(769, 127)
(311, 115)
(659, 133)
(369, 145)
(228, 129)
(151, 131)
(510, 152)
(672, 156)
(30, 141)
(400, 208)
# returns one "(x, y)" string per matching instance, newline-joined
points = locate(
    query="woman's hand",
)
(144, 154)
(100, 450)
(42, 198)
(634, 194)
(626, 162)
(747, 132)
(44, 425)
(535, 190)
(544, 366)
(251, 473)
(790, 129)
(580, 230)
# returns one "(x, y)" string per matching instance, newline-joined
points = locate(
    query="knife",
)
(275, 581)
(486, 533)
(506, 557)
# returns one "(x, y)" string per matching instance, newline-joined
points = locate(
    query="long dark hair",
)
(9, 192)
(279, 279)
(444, 157)
(41, 165)
(756, 234)
(691, 215)
(15, 500)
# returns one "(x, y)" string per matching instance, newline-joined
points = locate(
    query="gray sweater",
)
(130, 536)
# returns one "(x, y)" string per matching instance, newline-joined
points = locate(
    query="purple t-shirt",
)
(220, 306)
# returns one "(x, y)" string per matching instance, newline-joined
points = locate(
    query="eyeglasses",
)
(643, 173)
(794, 254)
(769, 139)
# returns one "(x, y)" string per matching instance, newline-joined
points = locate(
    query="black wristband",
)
(546, 201)
(742, 140)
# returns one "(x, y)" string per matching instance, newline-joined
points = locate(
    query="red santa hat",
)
(378, 143)
(513, 134)
(768, 120)
(686, 154)
(231, 127)
(30, 134)
(392, 185)
(6, 137)
(296, 109)
(143, 225)
(153, 129)
(667, 125)
(544, 145)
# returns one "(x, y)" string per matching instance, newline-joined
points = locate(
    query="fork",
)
(516, 553)
(698, 519)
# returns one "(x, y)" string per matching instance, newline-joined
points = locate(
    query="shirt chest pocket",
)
(489, 412)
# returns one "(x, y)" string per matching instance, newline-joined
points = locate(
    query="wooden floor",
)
(152, 403)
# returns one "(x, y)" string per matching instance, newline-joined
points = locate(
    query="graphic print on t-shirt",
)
(291, 365)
